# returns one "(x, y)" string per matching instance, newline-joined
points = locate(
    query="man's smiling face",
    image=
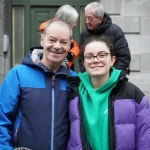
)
(56, 44)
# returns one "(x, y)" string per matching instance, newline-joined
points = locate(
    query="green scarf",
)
(94, 104)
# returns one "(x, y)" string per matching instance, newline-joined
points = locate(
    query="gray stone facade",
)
(133, 16)
(4, 30)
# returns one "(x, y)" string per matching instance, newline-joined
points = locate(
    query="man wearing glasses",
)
(99, 22)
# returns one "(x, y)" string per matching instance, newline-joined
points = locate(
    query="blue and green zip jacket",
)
(34, 107)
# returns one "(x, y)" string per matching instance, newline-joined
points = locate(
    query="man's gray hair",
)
(96, 7)
(67, 13)
(61, 23)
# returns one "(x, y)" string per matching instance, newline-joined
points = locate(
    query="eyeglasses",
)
(101, 56)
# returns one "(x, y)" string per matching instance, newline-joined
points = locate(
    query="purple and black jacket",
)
(129, 118)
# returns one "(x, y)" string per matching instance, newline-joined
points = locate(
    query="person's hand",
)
(65, 63)
(70, 56)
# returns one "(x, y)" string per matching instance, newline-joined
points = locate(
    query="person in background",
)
(34, 97)
(106, 111)
(99, 22)
(68, 14)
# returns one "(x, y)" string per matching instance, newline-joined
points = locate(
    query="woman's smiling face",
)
(97, 67)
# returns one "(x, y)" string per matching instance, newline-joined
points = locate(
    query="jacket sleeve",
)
(41, 28)
(122, 51)
(143, 125)
(74, 50)
(9, 93)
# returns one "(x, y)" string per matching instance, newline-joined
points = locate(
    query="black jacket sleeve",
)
(82, 39)
(122, 51)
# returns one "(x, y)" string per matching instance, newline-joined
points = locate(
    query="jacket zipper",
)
(15, 137)
(52, 125)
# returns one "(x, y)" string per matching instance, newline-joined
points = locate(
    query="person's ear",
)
(41, 40)
(113, 59)
(100, 19)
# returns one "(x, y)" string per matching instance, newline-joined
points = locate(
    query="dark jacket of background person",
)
(128, 117)
(35, 107)
(116, 36)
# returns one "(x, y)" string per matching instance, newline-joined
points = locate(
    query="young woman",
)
(106, 111)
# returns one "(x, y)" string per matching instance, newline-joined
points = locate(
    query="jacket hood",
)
(27, 60)
(75, 81)
(106, 22)
(87, 84)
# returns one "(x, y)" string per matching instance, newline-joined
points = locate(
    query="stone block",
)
(2, 65)
(1, 10)
(138, 43)
(112, 7)
(127, 24)
(1, 37)
(147, 94)
(135, 64)
(141, 80)
(135, 8)
(1, 78)
(145, 62)
(7, 63)
(145, 25)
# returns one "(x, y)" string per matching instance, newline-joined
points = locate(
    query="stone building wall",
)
(133, 16)
(4, 30)
(1, 40)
